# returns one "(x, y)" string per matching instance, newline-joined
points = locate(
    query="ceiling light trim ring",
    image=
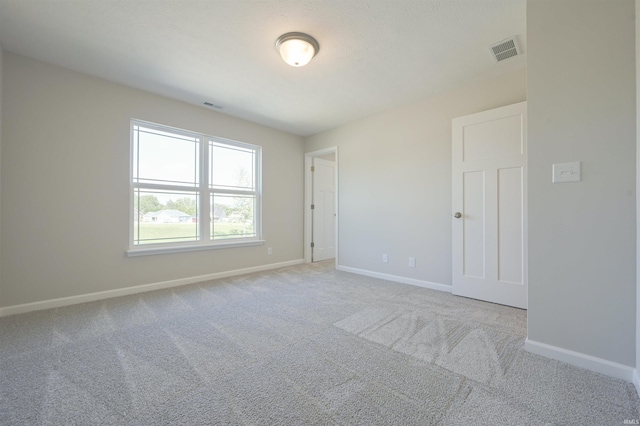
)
(297, 36)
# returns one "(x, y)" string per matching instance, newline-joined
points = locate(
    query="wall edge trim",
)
(108, 294)
(396, 278)
(578, 359)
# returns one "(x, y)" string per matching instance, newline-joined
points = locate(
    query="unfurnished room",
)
(354, 212)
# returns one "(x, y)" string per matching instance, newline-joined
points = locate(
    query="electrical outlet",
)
(412, 262)
(269, 251)
(385, 258)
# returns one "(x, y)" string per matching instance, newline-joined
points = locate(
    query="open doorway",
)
(321, 205)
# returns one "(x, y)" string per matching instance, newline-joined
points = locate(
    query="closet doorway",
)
(321, 205)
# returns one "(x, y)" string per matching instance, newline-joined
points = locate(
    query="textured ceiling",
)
(374, 55)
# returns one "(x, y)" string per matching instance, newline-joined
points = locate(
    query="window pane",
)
(165, 158)
(233, 216)
(165, 216)
(171, 190)
(232, 167)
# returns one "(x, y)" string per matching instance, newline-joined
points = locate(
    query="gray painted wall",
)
(1, 67)
(582, 236)
(65, 186)
(637, 4)
(395, 180)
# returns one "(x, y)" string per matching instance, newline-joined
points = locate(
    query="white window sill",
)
(148, 251)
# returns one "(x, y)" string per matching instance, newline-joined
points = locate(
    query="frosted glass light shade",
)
(296, 52)
(297, 49)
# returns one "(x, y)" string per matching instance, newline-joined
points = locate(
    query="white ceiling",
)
(374, 54)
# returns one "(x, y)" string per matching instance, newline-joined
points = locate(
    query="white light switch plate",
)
(566, 172)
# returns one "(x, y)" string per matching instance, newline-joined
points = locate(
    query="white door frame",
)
(308, 196)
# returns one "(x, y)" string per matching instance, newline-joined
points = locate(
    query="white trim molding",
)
(151, 250)
(396, 278)
(581, 360)
(636, 380)
(308, 196)
(92, 297)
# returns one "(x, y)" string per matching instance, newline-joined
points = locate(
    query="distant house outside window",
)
(192, 191)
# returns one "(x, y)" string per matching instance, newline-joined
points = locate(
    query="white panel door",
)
(489, 205)
(324, 211)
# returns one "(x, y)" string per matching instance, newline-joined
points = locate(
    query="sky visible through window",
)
(172, 159)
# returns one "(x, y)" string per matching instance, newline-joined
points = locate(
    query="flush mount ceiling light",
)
(297, 49)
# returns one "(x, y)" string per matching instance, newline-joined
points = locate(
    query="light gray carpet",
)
(301, 345)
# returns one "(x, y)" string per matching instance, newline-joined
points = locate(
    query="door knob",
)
(457, 215)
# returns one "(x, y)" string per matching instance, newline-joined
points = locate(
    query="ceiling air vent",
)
(505, 49)
(209, 104)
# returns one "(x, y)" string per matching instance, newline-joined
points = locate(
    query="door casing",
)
(308, 197)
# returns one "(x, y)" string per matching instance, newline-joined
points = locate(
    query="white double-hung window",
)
(192, 191)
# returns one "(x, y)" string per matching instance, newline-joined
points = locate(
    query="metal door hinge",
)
(313, 206)
(312, 245)
(313, 168)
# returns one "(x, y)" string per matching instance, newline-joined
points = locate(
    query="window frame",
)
(204, 191)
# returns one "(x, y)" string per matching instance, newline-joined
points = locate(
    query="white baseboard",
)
(588, 362)
(92, 297)
(636, 380)
(396, 278)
